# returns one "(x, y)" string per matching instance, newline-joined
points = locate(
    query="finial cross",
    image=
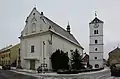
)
(95, 13)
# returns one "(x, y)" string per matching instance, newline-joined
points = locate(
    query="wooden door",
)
(32, 64)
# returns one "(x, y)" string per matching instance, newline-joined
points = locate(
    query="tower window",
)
(95, 31)
(96, 41)
(95, 49)
(95, 57)
(32, 48)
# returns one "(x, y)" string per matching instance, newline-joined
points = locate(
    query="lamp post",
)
(43, 64)
(19, 61)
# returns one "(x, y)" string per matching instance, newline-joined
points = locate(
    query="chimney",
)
(41, 13)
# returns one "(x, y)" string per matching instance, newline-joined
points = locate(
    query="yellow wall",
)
(5, 57)
(10, 55)
(14, 53)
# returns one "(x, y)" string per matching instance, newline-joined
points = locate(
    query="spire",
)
(68, 27)
(95, 13)
(96, 20)
(35, 6)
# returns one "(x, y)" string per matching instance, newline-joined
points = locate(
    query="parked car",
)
(6, 67)
(115, 69)
(0, 67)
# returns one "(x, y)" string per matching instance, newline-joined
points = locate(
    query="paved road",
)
(13, 75)
(113, 78)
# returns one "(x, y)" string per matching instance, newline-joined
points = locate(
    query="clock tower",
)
(96, 43)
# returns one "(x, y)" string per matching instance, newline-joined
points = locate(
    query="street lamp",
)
(19, 61)
(43, 64)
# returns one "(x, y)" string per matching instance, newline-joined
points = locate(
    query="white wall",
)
(99, 45)
(32, 38)
(93, 62)
(98, 55)
(40, 25)
(100, 32)
(37, 41)
(62, 44)
(99, 38)
(99, 48)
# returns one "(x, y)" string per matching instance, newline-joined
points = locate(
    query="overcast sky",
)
(79, 13)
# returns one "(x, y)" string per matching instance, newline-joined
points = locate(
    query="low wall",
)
(102, 74)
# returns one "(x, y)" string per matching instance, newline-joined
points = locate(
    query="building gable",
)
(35, 23)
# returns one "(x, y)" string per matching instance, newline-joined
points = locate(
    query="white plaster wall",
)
(40, 25)
(22, 53)
(100, 28)
(62, 44)
(37, 50)
(99, 38)
(98, 55)
(99, 45)
(99, 48)
(97, 62)
(37, 41)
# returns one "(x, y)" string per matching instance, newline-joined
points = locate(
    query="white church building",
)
(96, 43)
(41, 37)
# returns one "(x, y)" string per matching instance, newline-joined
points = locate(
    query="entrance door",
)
(32, 64)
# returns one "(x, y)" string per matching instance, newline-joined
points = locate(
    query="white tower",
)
(96, 43)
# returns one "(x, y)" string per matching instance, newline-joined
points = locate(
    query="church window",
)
(33, 27)
(96, 41)
(43, 20)
(32, 48)
(96, 31)
(95, 49)
(95, 57)
(33, 13)
(96, 66)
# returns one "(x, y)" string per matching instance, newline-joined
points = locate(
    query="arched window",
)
(94, 31)
(96, 41)
(96, 66)
(33, 28)
(95, 57)
(95, 49)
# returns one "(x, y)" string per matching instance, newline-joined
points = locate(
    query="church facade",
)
(96, 43)
(41, 37)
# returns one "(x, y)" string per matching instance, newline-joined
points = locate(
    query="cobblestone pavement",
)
(12, 75)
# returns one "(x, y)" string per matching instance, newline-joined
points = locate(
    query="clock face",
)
(96, 25)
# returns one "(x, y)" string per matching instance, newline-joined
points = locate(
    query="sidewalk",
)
(24, 70)
(35, 74)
